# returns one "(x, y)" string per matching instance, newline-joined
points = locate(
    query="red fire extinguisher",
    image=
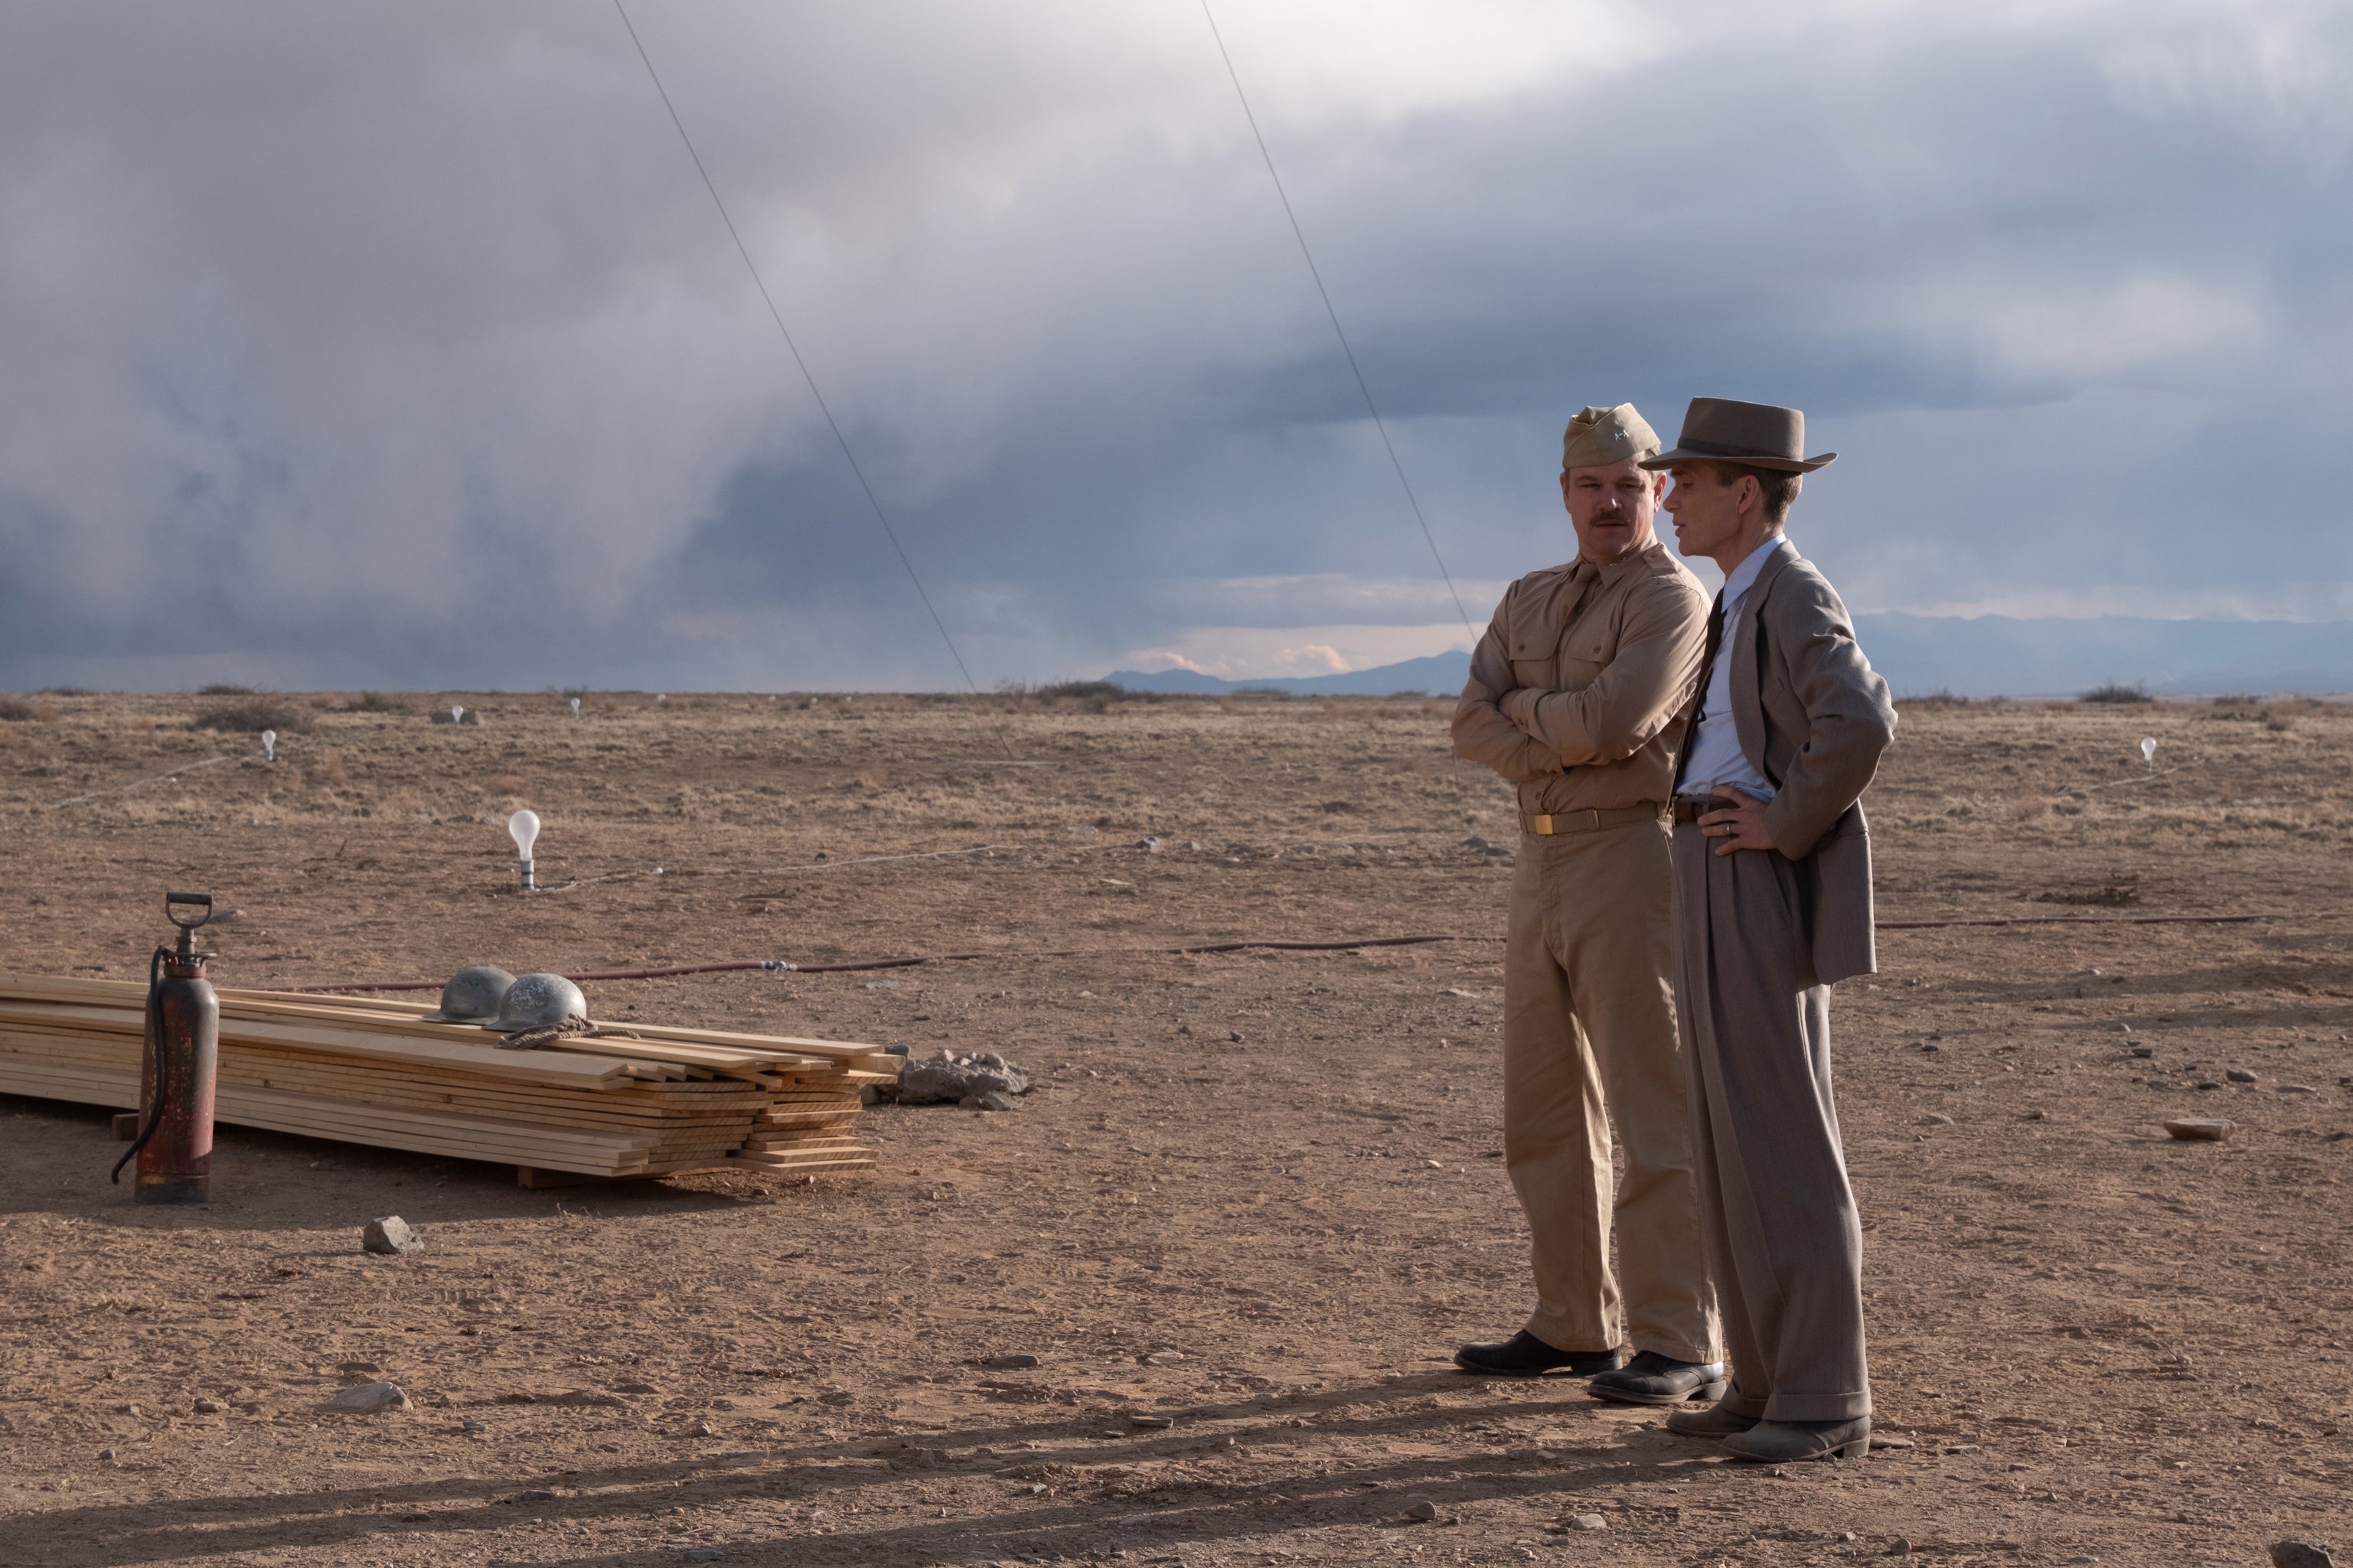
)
(174, 1146)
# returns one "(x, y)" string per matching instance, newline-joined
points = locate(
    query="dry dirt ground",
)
(1257, 1198)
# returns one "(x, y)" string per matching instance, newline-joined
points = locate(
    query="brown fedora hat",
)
(1719, 430)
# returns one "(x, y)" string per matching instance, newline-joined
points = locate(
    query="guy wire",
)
(1363, 386)
(824, 407)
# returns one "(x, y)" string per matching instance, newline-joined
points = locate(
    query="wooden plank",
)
(288, 1113)
(499, 1144)
(785, 1044)
(131, 994)
(655, 1105)
(534, 1066)
(829, 1163)
(239, 1055)
(626, 1099)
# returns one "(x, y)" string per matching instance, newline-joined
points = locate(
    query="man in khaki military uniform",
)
(1573, 696)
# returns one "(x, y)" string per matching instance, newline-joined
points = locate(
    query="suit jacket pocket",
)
(1839, 919)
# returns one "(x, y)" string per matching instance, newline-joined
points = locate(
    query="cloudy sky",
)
(399, 344)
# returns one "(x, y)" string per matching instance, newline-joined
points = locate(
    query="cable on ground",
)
(786, 966)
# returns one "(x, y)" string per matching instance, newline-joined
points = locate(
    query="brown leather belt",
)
(1561, 822)
(1691, 808)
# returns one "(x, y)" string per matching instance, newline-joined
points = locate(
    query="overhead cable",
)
(1338, 331)
(777, 316)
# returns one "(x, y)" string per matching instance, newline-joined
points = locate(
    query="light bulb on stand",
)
(2148, 751)
(269, 745)
(457, 713)
(523, 829)
(575, 707)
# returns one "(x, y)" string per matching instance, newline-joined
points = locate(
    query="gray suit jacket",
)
(1814, 716)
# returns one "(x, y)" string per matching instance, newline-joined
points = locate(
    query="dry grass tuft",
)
(504, 784)
(255, 714)
(16, 711)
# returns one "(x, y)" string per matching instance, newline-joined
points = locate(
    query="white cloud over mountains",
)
(401, 345)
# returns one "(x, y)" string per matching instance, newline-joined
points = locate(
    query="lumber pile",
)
(647, 1102)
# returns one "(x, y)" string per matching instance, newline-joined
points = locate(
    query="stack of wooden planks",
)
(647, 1101)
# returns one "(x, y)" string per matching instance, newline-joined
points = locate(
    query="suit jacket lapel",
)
(1748, 701)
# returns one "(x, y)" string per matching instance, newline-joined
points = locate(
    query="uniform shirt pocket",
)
(1587, 651)
(1532, 660)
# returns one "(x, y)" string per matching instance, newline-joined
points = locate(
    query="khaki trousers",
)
(1783, 1239)
(1589, 1038)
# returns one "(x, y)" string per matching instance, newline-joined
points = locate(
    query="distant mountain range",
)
(1439, 674)
(1981, 656)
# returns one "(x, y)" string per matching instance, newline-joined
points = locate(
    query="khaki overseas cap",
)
(1601, 437)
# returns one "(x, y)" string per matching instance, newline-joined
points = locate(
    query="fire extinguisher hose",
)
(160, 1057)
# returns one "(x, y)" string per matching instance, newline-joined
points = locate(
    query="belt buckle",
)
(1541, 826)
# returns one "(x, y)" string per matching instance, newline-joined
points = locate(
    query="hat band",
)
(1730, 453)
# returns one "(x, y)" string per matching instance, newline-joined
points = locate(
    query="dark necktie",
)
(1706, 678)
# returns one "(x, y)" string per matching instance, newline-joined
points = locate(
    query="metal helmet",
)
(539, 1001)
(472, 995)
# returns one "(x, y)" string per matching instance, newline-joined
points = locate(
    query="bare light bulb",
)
(575, 707)
(2148, 751)
(269, 745)
(457, 713)
(523, 829)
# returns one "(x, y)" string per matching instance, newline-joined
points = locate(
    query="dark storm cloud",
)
(402, 346)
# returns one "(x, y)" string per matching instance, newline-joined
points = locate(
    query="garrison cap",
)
(1601, 437)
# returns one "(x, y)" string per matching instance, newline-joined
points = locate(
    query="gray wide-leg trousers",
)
(1783, 1239)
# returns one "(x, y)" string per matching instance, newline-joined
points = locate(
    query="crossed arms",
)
(1526, 733)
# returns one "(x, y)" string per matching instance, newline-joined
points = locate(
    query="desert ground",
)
(1253, 1203)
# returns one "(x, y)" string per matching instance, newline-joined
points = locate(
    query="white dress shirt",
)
(1716, 755)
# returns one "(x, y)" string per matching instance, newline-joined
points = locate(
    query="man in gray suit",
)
(1772, 901)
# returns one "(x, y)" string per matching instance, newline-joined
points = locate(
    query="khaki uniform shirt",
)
(1616, 651)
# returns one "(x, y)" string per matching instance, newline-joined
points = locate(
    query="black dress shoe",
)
(1654, 1379)
(1525, 1355)
(1710, 1421)
(1777, 1442)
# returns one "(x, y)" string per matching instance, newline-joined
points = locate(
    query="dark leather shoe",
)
(1718, 1420)
(1525, 1355)
(1778, 1442)
(1654, 1379)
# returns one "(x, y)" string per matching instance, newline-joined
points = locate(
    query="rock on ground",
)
(390, 1236)
(371, 1397)
(952, 1079)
